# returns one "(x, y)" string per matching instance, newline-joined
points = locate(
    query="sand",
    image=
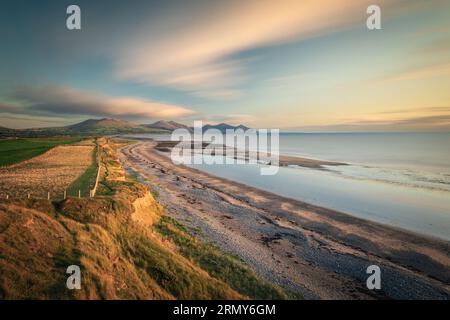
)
(318, 252)
(283, 161)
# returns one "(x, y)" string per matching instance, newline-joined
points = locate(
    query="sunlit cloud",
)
(420, 73)
(234, 119)
(7, 107)
(57, 100)
(435, 118)
(420, 111)
(201, 55)
(224, 94)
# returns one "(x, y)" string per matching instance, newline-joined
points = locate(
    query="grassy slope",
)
(220, 265)
(16, 150)
(119, 257)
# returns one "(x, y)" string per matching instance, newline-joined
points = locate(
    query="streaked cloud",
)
(423, 72)
(420, 123)
(201, 55)
(266, 63)
(58, 100)
(422, 110)
(7, 107)
(225, 94)
(436, 118)
(234, 119)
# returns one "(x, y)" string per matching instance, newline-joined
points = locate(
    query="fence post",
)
(65, 194)
(79, 193)
(48, 195)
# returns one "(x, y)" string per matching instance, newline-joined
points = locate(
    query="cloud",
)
(200, 55)
(420, 123)
(435, 118)
(233, 119)
(6, 107)
(66, 100)
(428, 110)
(225, 94)
(418, 73)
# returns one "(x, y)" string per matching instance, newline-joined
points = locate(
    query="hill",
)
(168, 125)
(5, 132)
(101, 123)
(108, 126)
(90, 127)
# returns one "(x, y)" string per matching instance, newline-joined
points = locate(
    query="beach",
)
(318, 252)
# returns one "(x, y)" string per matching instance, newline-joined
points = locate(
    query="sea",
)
(398, 179)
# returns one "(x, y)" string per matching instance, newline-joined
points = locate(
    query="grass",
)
(155, 194)
(220, 265)
(120, 258)
(17, 150)
(85, 182)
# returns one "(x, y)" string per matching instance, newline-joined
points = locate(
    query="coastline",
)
(284, 160)
(319, 252)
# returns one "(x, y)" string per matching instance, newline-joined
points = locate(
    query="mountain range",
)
(167, 125)
(107, 126)
(172, 125)
(224, 126)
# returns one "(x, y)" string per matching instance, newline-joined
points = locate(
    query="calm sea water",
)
(415, 159)
(400, 179)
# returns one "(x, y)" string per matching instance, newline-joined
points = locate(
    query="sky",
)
(298, 65)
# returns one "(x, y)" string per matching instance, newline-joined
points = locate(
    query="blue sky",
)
(295, 65)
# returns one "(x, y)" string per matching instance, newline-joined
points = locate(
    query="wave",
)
(401, 177)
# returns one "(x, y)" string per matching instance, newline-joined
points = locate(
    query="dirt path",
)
(318, 252)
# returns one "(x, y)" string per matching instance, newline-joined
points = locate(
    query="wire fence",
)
(56, 195)
(46, 195)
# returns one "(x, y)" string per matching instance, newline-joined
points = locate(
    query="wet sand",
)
(284, 161)
(318, 252)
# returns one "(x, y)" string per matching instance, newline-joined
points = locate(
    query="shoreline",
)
(284, 160)
(319, 252)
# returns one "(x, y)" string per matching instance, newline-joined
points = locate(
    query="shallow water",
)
(400, 179)
(415, 209)
(419, 160)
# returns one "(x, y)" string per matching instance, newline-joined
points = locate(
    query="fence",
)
(62, 195)
(55, 195)
(94, 191)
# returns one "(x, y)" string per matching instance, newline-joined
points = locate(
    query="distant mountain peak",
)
(167, 125)
(102, 123)
(224, 126)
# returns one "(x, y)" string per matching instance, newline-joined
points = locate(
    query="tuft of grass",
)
(133, 177)
(155, 194)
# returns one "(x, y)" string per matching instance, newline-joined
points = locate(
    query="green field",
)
(86, 181)
(16, 150)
